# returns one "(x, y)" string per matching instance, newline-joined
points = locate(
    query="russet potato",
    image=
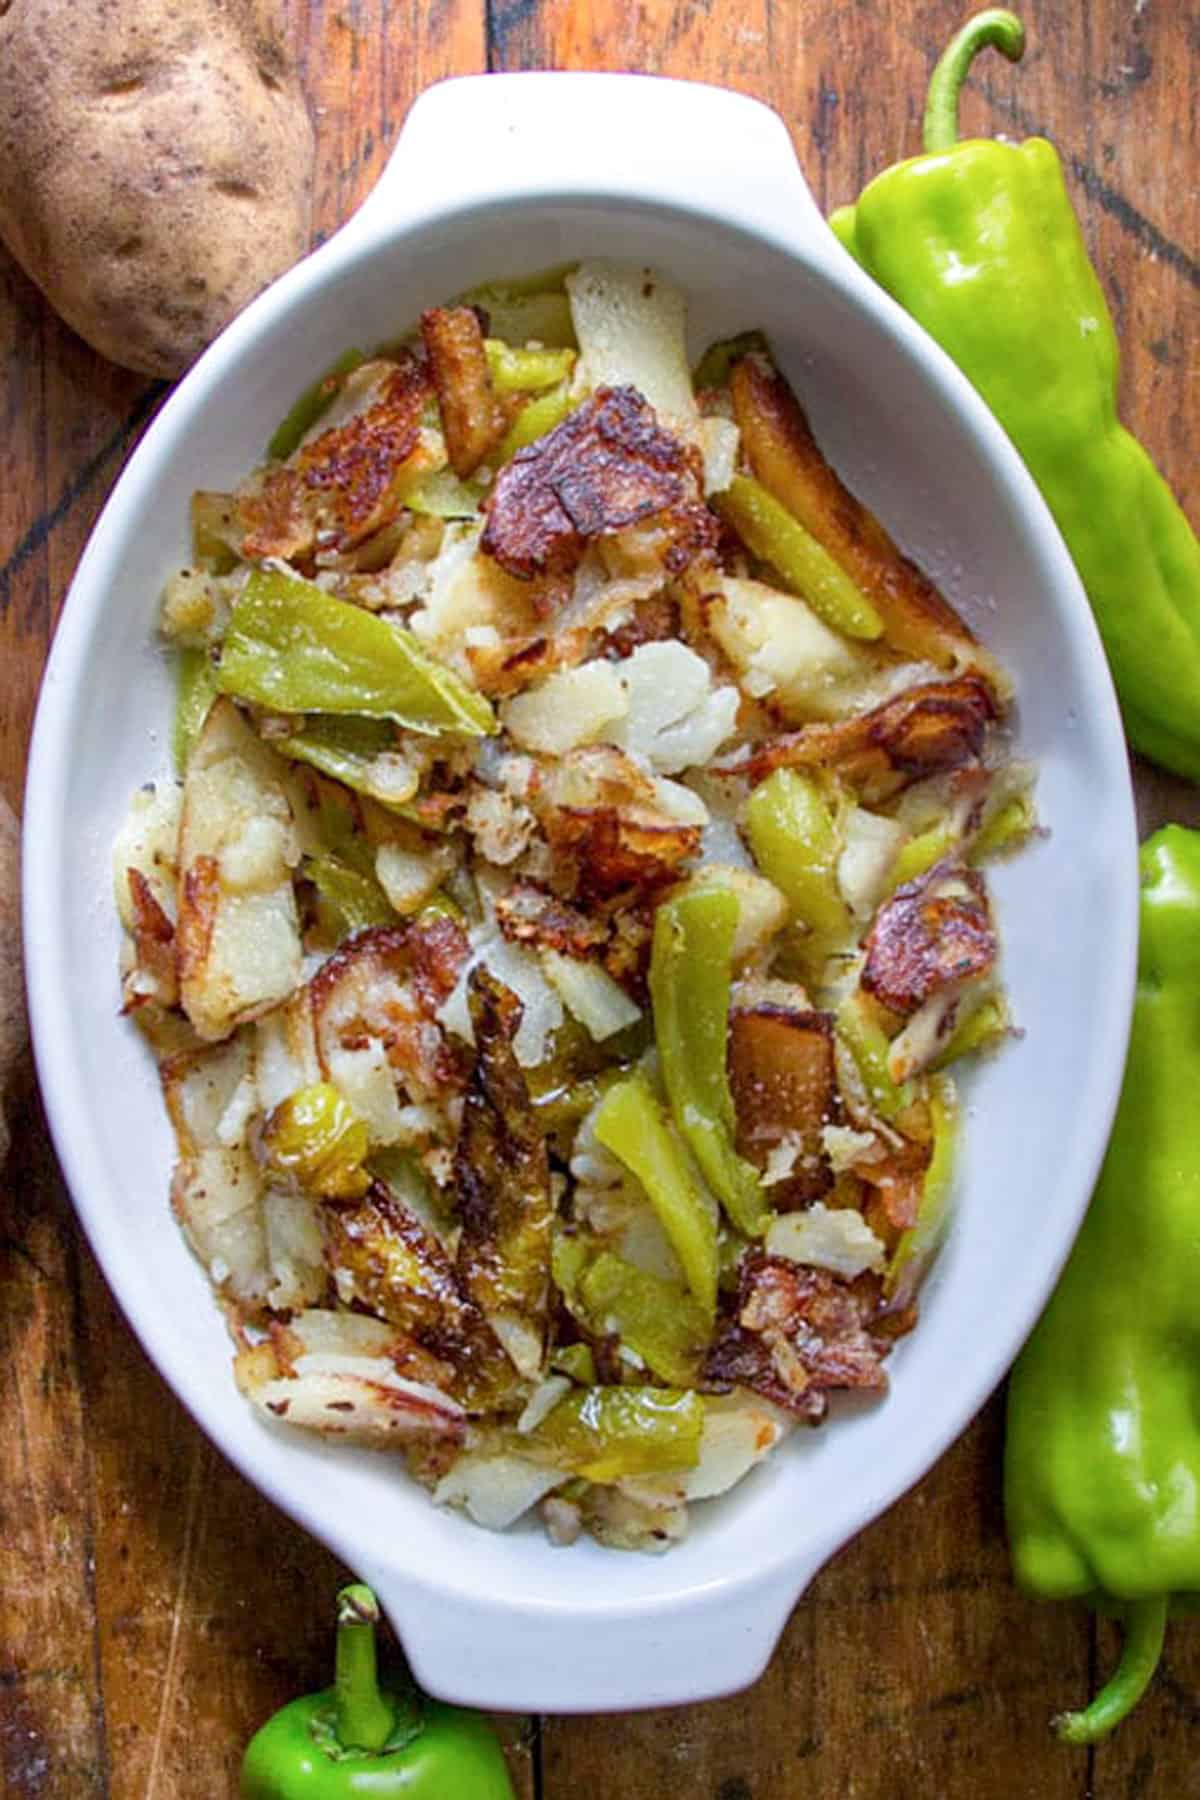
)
(155, 166)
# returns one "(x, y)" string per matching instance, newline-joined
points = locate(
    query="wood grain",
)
(152, 1608)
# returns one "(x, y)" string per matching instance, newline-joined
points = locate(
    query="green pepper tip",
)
(995, 27)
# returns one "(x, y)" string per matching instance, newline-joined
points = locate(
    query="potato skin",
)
(155, 166)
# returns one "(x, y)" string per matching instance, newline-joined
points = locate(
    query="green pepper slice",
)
(775, 536)
(515, 371)
(667, 1328)
(608, 1434)
(351, 899)
(296, 649)
(918, 1245)
(534, 420)
(195, 691)
(348, 749)
(316, 1135)
(691, 974)
(795, 843)
(632, 1124)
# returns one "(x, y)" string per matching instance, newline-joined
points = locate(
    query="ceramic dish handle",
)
(488, 137)
(503, 1657)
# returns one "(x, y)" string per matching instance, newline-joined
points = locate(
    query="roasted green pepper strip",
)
(795, 843)
(775, 536)
(294, 648)
(1102, 1463)
(534, 420)
(987, 1023)
(667, 1328)
(439, 494)
(195, 691)
(530, 308)
(515, 371)
(919, 854)
(1008, 826)
(351, 899)
(354, 1739)
(360, 753)
(577, 1362)
(691, 973)
(313, 402)
(979, 242)
(919, 1245)
(316, 1135)
(612, 1433)
(868, 1044)
(632, 1124)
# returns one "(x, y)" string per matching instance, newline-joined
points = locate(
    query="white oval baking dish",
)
(495, 176)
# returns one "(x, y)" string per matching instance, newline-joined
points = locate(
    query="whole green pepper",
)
(979, 242)
(355, 1740)
(1102, 1464)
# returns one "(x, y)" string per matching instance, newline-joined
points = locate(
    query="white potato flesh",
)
(520, 970)
(495, 1490)
(206, 1092)
(148, 841)
(719, 439)
(409, 877)
(590, 995)
(870, 844)
(358, 1397)
(738, 1433)
(572, 707)
(631, 325)
(675, 719)
(285, 1051)
(295, 1250)
(834, 1238)
(322, 1332)
(364, 1077)
(784, 653)
(217, 1197)
(239, 932)
(470, 592)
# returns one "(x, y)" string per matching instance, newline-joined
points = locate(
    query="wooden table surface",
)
(153, 1609)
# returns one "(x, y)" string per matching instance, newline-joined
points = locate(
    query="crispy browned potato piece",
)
(607, 467)
(782, 1075)
(344, 484)
(924, 731)
(934, 934)
(502, 1183)
(473, 419)
(153, 948)
(14, 1031)
(786, 459)
(386, 984)
(795, 1333)
(527, 914)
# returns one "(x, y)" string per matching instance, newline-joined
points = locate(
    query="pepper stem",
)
(363, 1718)
(996, 27)
(1145, 1625)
